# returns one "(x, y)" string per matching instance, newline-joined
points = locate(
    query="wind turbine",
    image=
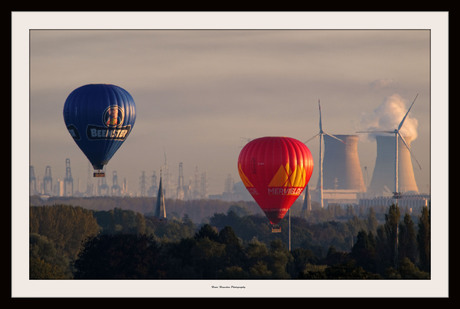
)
(320, 134)
(398, 136)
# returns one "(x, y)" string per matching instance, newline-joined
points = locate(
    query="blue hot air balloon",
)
(99, 117)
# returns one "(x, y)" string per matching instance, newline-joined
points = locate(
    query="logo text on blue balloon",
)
(97, 132)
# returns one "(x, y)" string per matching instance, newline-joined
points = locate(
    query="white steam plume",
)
(388, 115)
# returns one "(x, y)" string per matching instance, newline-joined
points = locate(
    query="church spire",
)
(160, 209)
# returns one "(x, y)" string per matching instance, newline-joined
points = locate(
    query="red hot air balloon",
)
(275, 170)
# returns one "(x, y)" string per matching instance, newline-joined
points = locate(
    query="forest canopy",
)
(71, 242)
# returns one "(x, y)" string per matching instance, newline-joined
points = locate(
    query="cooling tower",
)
(383, 177)
(341, 166)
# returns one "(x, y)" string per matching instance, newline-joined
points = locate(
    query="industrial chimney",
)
(383, 177)
(341, 166)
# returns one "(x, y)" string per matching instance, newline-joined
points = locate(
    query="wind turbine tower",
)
(320, 135)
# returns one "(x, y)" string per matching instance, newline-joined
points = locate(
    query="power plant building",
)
(343, 181)
(409, 202)
(342, 175)
(383, 177)
(341, 166)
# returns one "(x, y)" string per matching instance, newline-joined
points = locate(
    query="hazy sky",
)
(201, 94)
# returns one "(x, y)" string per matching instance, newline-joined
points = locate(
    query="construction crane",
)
(32, 181)
(48, 181)
(68, 180)
(116, 189)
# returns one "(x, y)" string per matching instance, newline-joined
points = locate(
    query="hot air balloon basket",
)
(99, 174)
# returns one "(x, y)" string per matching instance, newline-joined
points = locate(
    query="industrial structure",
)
(404, 170)
(32, 181)
(115, 189)
(342, 175)
(48, 182)
(196, 185)
(342, 168)
(383, 177)
(321, 134)
(181, 189)
(409, 203)
(343, 178)
(153, 189)
(89, 181)
(68, 180)
(142, 184)
(203, 186)
(103, 188)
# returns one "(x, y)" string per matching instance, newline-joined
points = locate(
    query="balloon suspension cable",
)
(99, 173)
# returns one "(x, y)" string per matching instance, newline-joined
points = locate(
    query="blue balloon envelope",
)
(99, 117)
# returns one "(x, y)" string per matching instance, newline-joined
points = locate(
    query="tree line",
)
(73, 242)
(196, 210)
(200, 211)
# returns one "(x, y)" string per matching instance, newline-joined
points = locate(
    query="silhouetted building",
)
(160, 208)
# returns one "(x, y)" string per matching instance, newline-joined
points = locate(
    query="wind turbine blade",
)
(408, 148)
(402, 121)
(320, 123)
(375, 132)
(334, 137)
(312, 138)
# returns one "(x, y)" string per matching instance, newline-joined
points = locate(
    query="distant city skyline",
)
(142, 188)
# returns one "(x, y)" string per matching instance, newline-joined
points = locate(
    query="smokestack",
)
(341, 166)
(383, 177)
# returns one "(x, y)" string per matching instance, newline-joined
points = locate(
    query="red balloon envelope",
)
(275, 170)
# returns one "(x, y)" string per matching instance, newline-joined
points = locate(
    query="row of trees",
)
(398, 249)
(200, 211)
(71, 242)
(196, 210)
